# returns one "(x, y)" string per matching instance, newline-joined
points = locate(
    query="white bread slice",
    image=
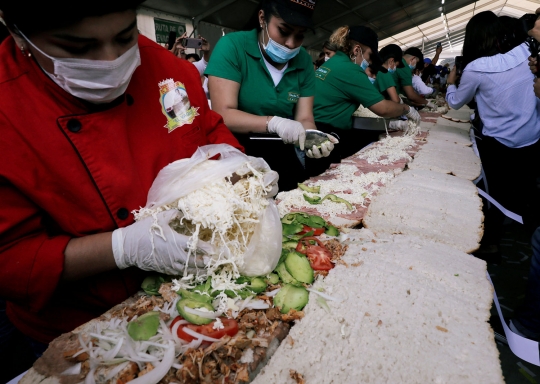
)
(449, 123)
(450, 134)
(445, 156)
(432, 205)
(399, 321)
(461, 114)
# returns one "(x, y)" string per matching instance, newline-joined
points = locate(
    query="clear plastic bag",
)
(179, 178)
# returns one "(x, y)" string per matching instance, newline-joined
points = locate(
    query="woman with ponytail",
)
(342, 85)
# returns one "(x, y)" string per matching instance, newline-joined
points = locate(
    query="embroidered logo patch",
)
(293, 97)
(322, 72)
(175, 104)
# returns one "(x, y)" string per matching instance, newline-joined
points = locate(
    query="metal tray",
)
(369, 123)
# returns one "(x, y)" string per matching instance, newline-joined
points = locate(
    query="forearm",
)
(387, 108)
(413, 96)
(393, 95)
(206, 56)
(242, 122)
(87, 256)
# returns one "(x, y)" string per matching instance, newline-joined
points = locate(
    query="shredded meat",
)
(167, 292)
(299, 378)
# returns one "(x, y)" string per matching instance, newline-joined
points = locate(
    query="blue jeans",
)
(529, 314)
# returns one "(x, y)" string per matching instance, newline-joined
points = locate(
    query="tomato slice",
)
(316, 231)
(230, 327)
(319, 257)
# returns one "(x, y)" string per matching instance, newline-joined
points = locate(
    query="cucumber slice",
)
(279, 299)
(291, 297)
(299, 268)
(144, 326)
(257, 285)
(285, 276)
(194, 296)
(243, 293)
(193, 304)
(273, 279)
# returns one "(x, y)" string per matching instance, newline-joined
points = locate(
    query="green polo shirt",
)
(237, 57)
(403, 77)
(341, 87)
(383, 82)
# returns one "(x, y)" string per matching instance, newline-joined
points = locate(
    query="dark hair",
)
(193, 56)
(269, 9)
(511, 35)
(45, 15)
(331, 47)
(481, 37)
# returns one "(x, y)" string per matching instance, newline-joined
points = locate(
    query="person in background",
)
(403, 77)
(193, 57)
(419, 86)
(342, 85)
(510, 129)
(329, 50)
(261, 81)
(391, 56)
(101, 119)
(321, 59)
(180, 51)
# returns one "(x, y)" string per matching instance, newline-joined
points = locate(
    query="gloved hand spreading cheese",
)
(152, 245)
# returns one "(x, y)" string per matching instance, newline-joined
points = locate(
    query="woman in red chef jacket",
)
(90, 112)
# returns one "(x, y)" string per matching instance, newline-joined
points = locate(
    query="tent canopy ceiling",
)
(406, 23)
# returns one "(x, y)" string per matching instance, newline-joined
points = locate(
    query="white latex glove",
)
(144, 245)
(325, 150)
(271, 179)
(400, 125)
(413, 115)
(431, 105)
(292, 132)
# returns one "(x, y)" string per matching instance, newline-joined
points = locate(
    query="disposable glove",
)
(325, 150)
(270, 179)
(413, 115)
(431, 105)
(400, 125)
(292, 132)
(155, 246)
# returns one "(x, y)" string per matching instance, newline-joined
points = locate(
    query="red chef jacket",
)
(69, 170)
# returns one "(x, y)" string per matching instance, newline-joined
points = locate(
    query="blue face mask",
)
(279, 53)
(364, 64)
(391, 70)
(372, 80)
(412, 66)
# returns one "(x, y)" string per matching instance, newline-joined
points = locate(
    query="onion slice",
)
(160, 370)
(324, 295)
(198, 335)
(116, 370)
(74, 370)
(206, 315)
(272, 293)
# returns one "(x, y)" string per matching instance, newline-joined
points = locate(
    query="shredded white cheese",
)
(365, 112)
(388, 150)
(218, 324)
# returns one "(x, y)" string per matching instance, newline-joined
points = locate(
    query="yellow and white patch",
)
(175, 104)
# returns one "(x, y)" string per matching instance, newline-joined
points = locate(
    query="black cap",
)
(296, 12)
(392, 51)
(36, 16)
(368, 37)
(416, 52)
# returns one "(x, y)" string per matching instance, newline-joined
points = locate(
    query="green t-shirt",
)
(237, 57)
(341, 86)
(383, 82)
(403, 77)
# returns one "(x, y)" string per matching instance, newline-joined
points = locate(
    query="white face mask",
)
(326, 58)
(96, 81)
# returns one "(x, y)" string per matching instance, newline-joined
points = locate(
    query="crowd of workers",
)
(87, 122)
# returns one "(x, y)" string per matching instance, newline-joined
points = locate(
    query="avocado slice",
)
(299, 268)
(291, 297)
(289, 244)
(331, 230)
(195, 296)
(193, 304)
(273, 278)
(144, 326)
(285, 276)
